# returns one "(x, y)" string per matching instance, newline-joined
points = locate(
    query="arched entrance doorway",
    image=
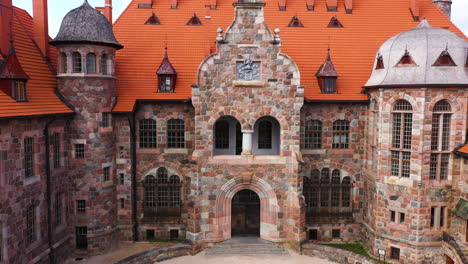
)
(245, 218)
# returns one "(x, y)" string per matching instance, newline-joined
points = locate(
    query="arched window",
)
(340, 134)
(266, 140)
(63, 62)
(328, 197)
(313, 134)
(227, 136)
(91, 63)
(104, 67)
(148, 133)
(401, 138)
(175, 133)
(162, 194)
(77, 62)
(440, 153)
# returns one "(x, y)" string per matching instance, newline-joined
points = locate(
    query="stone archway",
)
(245, 218)
(269, 208)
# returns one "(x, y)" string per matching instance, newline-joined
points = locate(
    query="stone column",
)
(247, 142)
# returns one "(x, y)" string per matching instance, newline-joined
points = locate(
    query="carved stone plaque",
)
(248, 70)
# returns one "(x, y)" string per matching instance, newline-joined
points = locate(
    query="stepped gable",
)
(354, 45)
(41, 85)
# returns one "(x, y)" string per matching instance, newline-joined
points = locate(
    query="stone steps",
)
(261, 248)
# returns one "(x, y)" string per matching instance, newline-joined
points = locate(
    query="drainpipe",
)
(49, 192)
(132, 123)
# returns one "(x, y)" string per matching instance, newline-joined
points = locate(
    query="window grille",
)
(392, 216)
(106, 174)
(105, 120)
(346, 192)
(401, 138)
(433, 211)
(329, 85)
(91, 63)
(165, 83)
(313, 134)
(265, 131)
(394, 253)
(175, 133)
(31, 224)
(29, 156)
(104, 69)
(58, 208)
(148, 133)
(162, 194)
(402, 218)
(325, 188)
(340, 134)
(122, 203)
(222, 134)
(77, 62)
(56, 146)
(335, 196)
(19, 89)
(63, 60)
(81, 237)
(122, 179)
(80, 206)
(336, 233)
(440, 136)
(79, 151)
(442, 216)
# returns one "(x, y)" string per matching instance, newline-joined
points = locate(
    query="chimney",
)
(349, 6)
(106, 10)
(5, 26)
(332, 5)
(282, 5)
(444, 5)
(414, 8)
(310, 5)
(41, 26)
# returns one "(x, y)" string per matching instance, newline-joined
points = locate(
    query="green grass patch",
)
(357, 248)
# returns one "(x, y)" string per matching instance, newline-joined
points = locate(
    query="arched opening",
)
(245, 219)
(227, 136)
(266, 137)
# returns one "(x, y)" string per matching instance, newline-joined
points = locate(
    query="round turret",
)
(420, 57)
(86, 25)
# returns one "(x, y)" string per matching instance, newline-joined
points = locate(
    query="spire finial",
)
(328, 51)
(165, 50)
(12, 48)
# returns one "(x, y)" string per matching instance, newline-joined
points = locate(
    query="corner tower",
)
(86, 50)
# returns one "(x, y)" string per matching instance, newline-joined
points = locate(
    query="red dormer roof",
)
(166, 66)
(354, 46)
(327, 69)
(11, 68)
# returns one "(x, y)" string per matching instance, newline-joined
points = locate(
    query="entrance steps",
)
(246, 246)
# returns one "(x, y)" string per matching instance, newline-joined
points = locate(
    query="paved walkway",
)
(293, 258)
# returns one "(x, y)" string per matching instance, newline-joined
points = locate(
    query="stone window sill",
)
(175, 151)
(248, 83)
(239, 159)
(31, 180)
(313, 151)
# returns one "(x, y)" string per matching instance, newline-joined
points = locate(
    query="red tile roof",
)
(353, 47)
(463, 151)
(42, 83)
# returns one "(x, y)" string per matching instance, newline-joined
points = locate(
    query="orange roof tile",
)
(353, 47)
(463, 150)
(42, 83)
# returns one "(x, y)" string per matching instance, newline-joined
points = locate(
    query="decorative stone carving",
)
(248, 70)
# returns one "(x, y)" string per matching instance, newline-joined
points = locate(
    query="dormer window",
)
(379, 65)
(194, 21)
(327, 75)
(406, 60)
(444, 59)
(19, 90)
(167, 75)
(335, 23)
(153, 20)
(295, 22)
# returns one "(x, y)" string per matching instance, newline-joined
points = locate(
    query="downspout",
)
(49, 191)
(132, 123)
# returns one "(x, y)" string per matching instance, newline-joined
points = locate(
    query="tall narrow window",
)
(313, 134)
(63, 62)
(440, 153)
(29, 156)
(150, 195)
(394, 253)
(265, 131)
(77, 62)
(81, 206)
(148, 133)
(162, 194)
(341, 134)
(325, 188)
(443, 210)
(19, 90)
(105, 120)
(58, 208)
(31, 224)
(335, 188)
(91, 63)
(222, 134)
(79, 151)
(346, 192)
(433, 212)
(175, 133)
(401, 138)
(106, 173)
(81, 237)
(104, 63)
(56, 146)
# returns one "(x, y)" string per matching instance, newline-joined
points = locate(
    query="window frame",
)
(19, 90)
(28, 156)
(91, 67)
(341, 131)
(148, 133)
(313, 134)
(175, 133)
(31, 229)
(402, 128)
(77, 62)
(162, 195)
(440, 140)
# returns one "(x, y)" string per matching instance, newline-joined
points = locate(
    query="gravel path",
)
(293, 258)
